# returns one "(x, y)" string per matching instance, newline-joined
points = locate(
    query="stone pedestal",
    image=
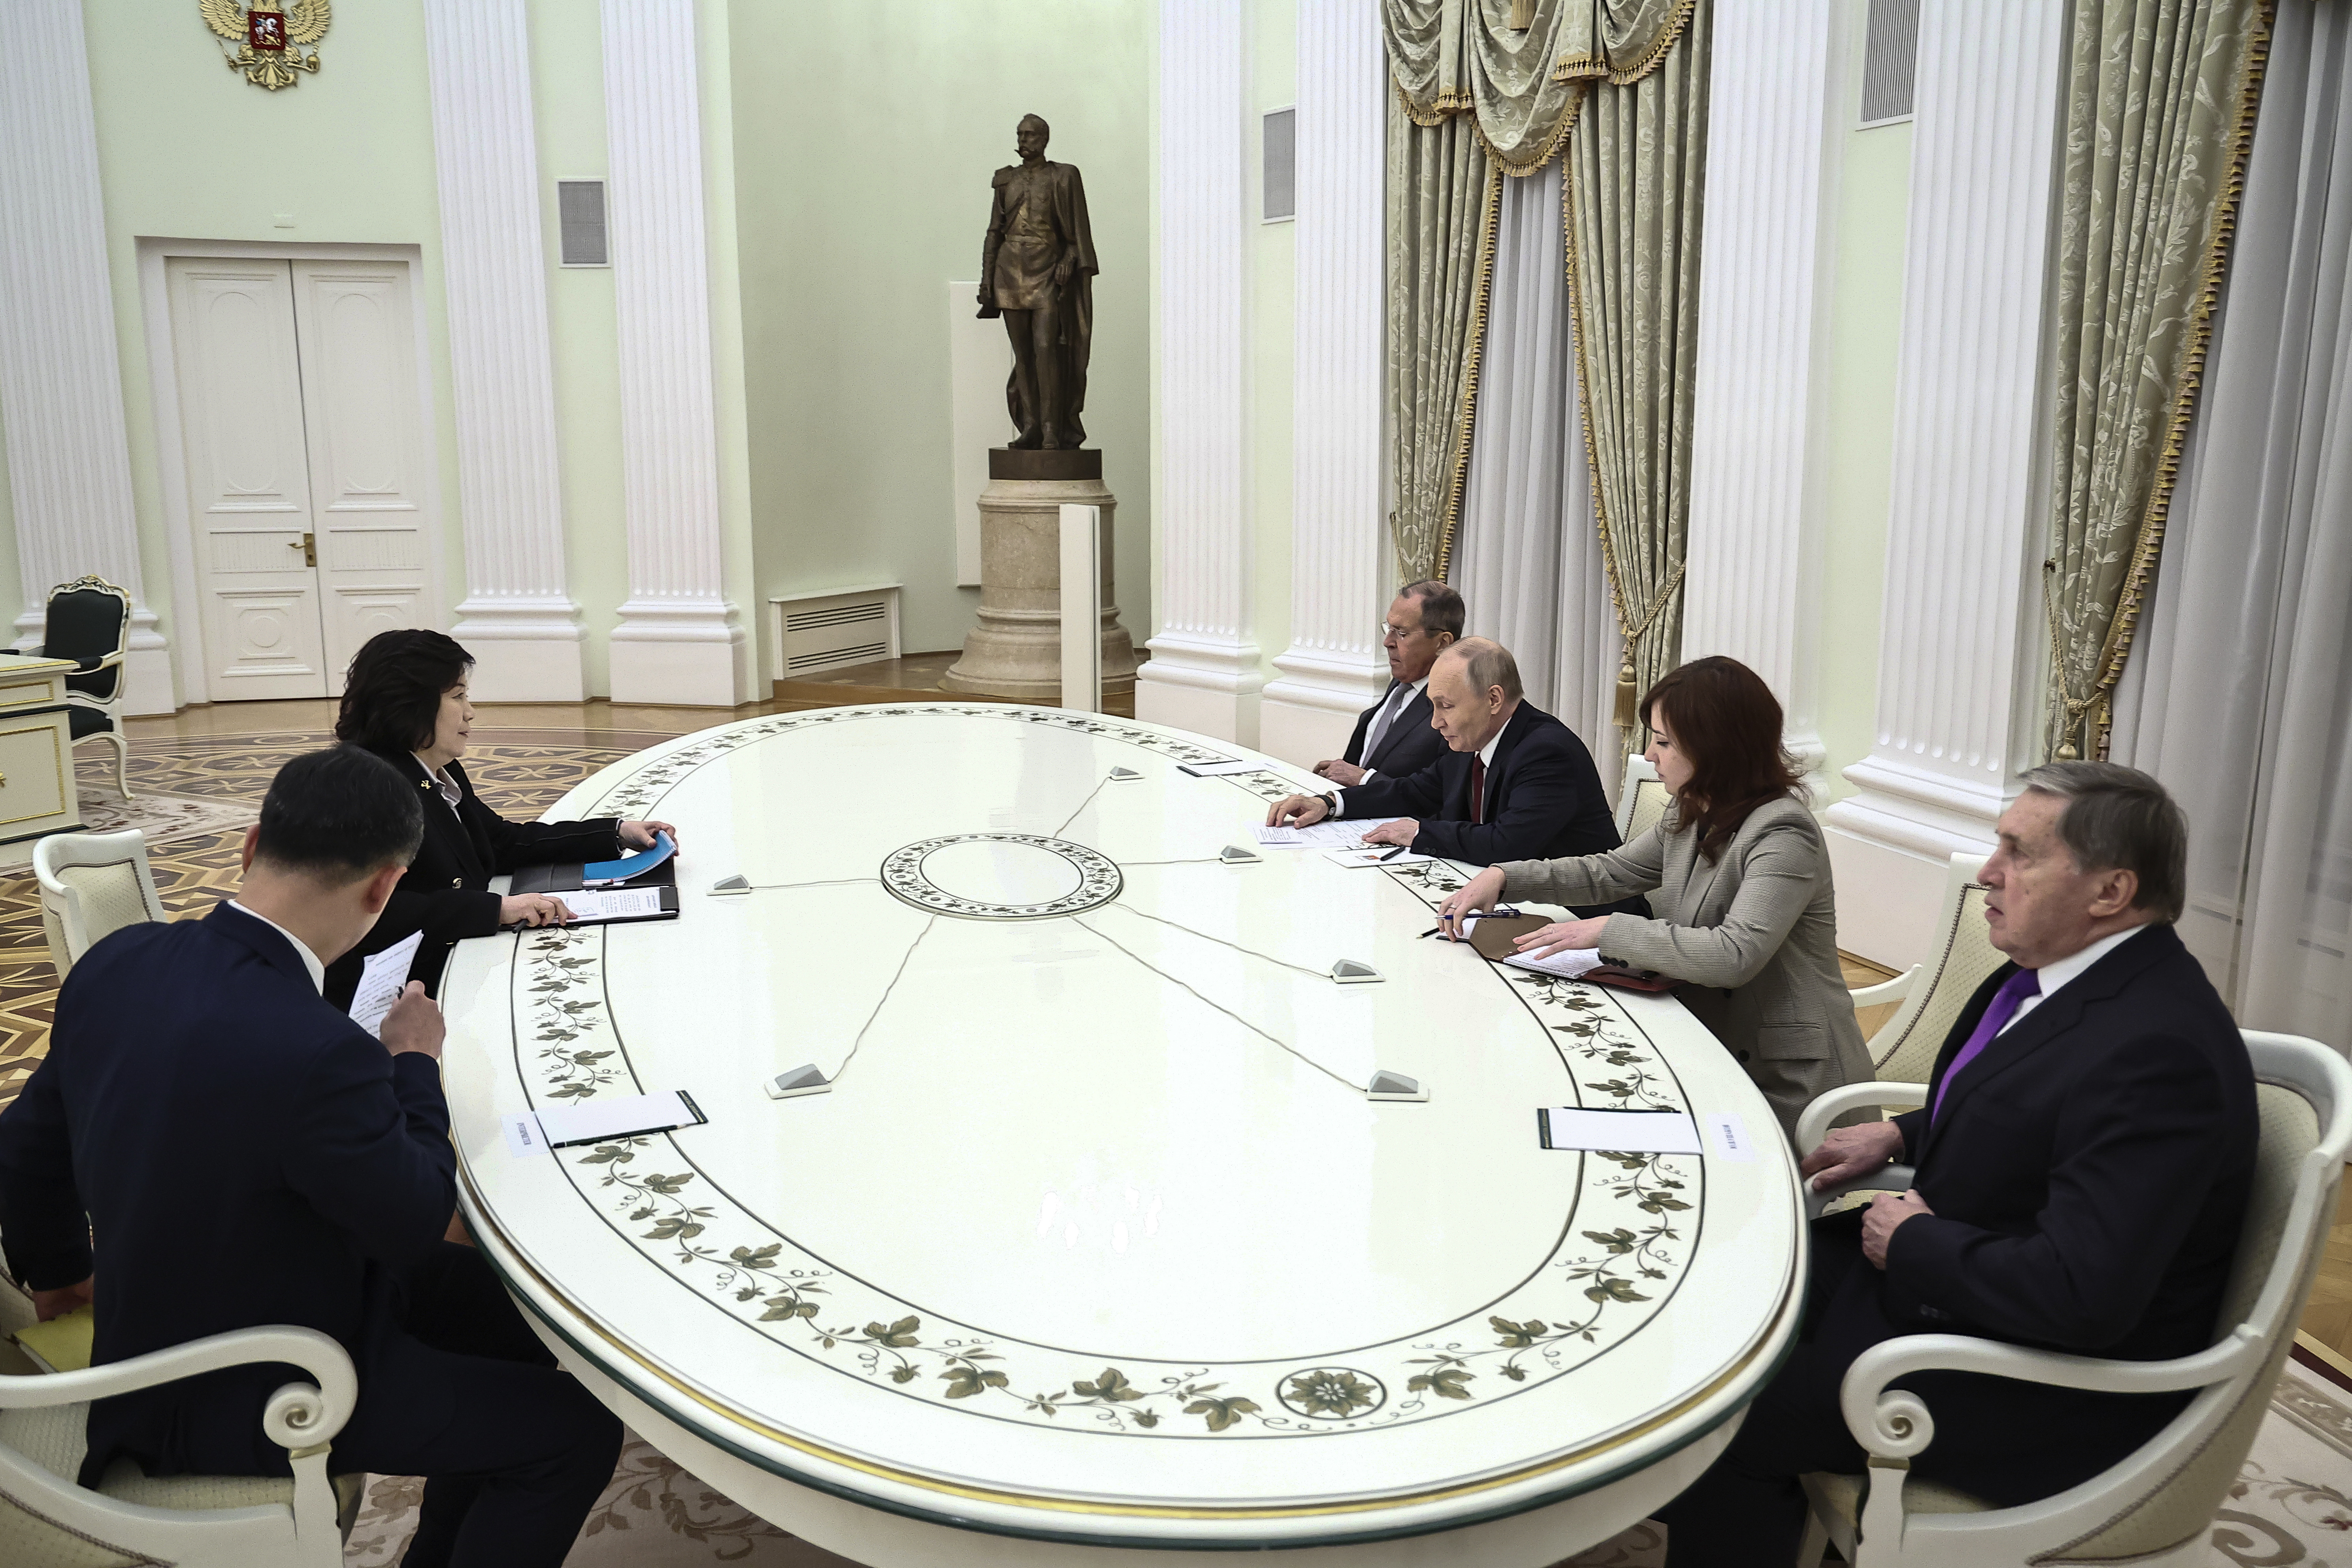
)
(1015, 647)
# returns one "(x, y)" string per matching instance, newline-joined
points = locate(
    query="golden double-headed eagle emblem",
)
(269, 41)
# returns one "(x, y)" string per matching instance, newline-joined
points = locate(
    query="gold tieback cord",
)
(1628, 715)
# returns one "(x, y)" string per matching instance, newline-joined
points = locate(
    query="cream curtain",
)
(2239, 700)
(1529, 562)
(1443, 192)
(1636, 170)
(2159, 114)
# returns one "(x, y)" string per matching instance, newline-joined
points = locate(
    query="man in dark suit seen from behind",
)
(229, 1151)
(2082, 1171)
(1515, 784)
(1393, 736)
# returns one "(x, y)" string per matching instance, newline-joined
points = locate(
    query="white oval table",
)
(1095, 1242)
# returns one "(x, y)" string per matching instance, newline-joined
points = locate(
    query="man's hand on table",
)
(1298, 811)
(1401, 832)
(1347, 775)
(56, 1303)
(413, 1024)
(641, 834)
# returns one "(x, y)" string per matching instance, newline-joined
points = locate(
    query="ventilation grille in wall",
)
(1281, 182)
(580, 218)
(827, 631)
(1890, 61)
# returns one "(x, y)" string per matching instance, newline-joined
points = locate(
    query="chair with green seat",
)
(47, 1521)
(2157, 1505)
(88, 621)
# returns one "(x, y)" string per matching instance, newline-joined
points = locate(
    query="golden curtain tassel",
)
(1628, 713)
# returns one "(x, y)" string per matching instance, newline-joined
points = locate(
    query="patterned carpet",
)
(2293, 1503)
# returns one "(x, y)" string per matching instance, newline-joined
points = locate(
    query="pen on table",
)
(1394, 853)
(1431, 931)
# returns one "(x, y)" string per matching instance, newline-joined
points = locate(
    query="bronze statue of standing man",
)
(1036, 271)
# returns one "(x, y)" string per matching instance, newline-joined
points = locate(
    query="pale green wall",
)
(1274, 84)
(865, 140)
(1869, 219)
(188, 149)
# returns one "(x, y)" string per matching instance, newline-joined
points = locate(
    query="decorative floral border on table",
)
(1619, 1260)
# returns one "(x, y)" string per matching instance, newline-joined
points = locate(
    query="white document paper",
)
(523, 1136)
(588, 1121)
(1726, 1136)
(1321, 835)
(1217, 770)
(1626, 1131)
(1567, 963)
(614, 904)
(382, 979)
(1389, 855)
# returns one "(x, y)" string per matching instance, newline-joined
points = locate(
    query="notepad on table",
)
(597, 1120)
(603, 905)
(1618, 1132)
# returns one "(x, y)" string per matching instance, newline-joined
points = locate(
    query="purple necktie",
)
(1998, 1011)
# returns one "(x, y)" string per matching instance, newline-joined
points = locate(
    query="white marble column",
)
(517, 619)
(680, 639)
(1339, 554)
(1758, 436)
(1956, 670)
(1203, 671)
(60, 377)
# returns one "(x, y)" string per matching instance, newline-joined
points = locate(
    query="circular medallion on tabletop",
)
(1000, 875)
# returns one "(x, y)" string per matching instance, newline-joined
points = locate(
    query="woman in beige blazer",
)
(1739, 884)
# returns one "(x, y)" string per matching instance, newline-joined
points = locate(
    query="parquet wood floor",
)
(523, 759)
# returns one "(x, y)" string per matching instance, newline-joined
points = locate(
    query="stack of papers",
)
(382, 979)
(1321, 835)
(613, 904)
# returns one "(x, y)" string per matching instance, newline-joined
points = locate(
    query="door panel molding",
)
(189, 639)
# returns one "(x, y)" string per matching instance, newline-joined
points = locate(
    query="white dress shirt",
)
(1380, 727)
(301, 949)
(2059, 971)
(443, 785)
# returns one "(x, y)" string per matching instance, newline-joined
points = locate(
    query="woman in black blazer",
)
(404, 699)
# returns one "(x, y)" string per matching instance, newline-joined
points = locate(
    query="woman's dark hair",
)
(1727, 723)
(392, 695)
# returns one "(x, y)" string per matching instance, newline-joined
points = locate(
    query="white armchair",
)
(47, 1520)
(2154, 1507)
(1642, 799)
(92, 885)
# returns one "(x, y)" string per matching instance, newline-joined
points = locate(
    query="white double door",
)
(303, 421)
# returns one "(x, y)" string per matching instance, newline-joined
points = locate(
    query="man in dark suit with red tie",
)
(1515, 784)
(1394, 735)
(2082, 1171)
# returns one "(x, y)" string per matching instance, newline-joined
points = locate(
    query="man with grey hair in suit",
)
(2081, 1171)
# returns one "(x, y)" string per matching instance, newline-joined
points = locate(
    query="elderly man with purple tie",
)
(2082, 1169)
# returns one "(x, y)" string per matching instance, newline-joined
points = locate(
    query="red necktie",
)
(1477, 788)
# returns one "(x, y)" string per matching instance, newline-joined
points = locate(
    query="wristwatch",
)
(1330, 804)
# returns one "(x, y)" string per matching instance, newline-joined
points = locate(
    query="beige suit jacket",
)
(1753, 936)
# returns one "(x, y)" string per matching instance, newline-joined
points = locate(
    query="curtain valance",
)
(1520, 85)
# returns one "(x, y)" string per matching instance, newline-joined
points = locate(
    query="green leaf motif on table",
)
(1111, 1385)
(1145, 1418)
(1221, 1412)
(673, 1228)
(1446, 1382)
(571, 1091)
(1519, 1336)
(1613, 1291)
(783, 1306)
(897, 1336)
(1618, 1241)
(963, 1381)
(669, 1186)
(1044, 1404)
(902, 1374)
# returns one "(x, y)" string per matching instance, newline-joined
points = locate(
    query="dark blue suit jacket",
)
(1543, 799)
(1411, 745)
(244, 1154)
(2090, 1170)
